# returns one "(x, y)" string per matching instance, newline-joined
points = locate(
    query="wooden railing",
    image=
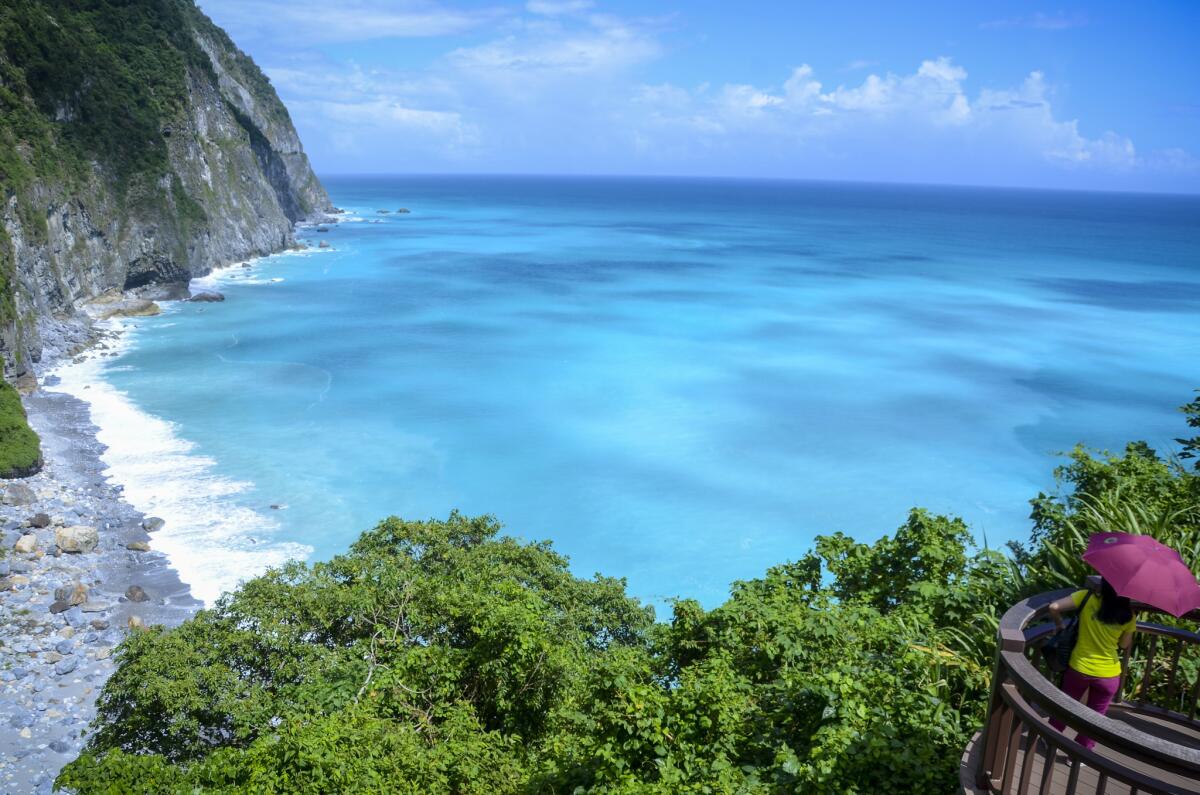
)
(1018, 752)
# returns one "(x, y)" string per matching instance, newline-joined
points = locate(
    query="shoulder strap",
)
(1074, 619)
(1083, 604)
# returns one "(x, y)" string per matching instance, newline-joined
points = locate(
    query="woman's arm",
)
(1125, 641)
(1057, 608)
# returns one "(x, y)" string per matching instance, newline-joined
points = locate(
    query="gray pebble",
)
(66, 646)
(59, 747)
(66, 665)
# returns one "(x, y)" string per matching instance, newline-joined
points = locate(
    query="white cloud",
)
(1040, 21)
(1024, 116)
(364, 112)
(894, 111)
(559, 85)
(301, 22)
(603, 45)
(553, 8)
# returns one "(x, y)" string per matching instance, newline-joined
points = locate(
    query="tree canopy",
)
(443, 657)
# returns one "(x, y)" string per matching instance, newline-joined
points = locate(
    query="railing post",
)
(1006, 640)
(983, 776)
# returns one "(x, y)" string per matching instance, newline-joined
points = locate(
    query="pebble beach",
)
(78, 571)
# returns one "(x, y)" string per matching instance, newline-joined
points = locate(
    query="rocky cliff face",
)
(214, 172)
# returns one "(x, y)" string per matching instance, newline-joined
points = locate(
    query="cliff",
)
(138, 147)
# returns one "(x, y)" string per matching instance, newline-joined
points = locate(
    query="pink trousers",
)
(1100, 692)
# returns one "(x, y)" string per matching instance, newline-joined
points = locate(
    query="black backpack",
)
(1057, 650)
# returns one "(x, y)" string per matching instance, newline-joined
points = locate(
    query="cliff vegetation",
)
(20, 448)
(443, 657)
(138, 145)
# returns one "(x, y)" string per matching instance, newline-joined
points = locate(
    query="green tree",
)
(442, 657)
(1190, 447)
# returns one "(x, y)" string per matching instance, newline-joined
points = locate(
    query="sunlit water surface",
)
(678, 382)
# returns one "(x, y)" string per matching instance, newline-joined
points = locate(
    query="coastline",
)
(63, 613)
(53, 664)
(213, 535)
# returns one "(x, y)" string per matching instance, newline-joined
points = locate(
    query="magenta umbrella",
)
(1144, 570)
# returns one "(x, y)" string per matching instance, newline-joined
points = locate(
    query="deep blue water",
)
(676, 381)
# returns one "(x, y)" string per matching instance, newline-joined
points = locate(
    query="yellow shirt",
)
(1095, 653)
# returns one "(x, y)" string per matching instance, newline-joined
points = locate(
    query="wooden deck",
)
(1088, 779)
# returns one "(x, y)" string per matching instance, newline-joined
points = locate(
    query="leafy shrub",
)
(441, 657)
(20, 448)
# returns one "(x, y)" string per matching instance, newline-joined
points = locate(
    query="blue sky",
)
(1093, 96)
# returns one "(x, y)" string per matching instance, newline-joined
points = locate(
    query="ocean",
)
(679, 382)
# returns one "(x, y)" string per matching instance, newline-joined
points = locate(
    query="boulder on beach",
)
(26, 544)
(322, 229)
(137, 308)
(77, 538)
(138, 546)
(206, 297)
(152, 523)
(135, 593)
(384, 212)
(40, 519)
(117, 304)
(25, 383)
(18, 494)
(404, 210)
(324, 244)
(164, 291)
(75, 594)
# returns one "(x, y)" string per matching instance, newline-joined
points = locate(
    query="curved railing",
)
(1149, 742)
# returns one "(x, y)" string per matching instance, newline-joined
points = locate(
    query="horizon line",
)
(727, 178)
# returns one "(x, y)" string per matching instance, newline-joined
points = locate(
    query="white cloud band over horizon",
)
(557, 86)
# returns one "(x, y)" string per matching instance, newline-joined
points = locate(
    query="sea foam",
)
(209, 536)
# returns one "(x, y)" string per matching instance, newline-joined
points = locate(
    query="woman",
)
(1106, 627)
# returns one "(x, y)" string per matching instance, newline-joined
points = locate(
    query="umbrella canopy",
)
(1144, 570)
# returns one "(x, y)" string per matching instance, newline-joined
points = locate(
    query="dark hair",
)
(1114, 609)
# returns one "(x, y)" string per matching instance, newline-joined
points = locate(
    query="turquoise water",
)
(680, 382)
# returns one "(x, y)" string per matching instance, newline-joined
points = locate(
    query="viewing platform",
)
(1148, 743)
